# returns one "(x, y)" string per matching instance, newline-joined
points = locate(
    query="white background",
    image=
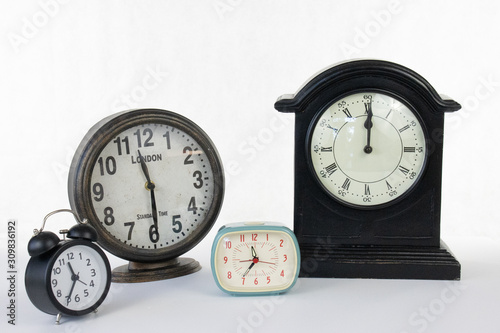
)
(64, 65)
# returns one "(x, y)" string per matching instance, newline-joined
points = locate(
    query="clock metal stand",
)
(398, 238)
(144, 272)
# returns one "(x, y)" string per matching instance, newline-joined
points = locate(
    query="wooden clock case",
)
(398, 240)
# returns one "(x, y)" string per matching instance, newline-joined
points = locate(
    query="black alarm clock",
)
(368, 170)
(67, 276)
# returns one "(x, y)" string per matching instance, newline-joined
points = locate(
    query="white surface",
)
(222, 63)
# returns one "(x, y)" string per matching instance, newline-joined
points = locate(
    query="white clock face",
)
(256, 261)
(152, 186)
(78, 278)
(367, 149)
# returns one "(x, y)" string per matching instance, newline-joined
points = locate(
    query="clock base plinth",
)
(146, 272)
(379, 262)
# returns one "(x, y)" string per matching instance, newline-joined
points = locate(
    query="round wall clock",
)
(151, 182)
(69, 276)
(368, 169)
(255, 258)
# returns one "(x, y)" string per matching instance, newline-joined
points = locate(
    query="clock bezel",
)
(85, 159)
(321, 110)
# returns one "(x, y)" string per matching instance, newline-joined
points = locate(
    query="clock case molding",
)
(398, 240)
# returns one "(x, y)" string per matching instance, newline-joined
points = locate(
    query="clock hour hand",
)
(71, 270)
(368, 125)
(150, 186)
(144, 167)
(254, 254)
(81, 282)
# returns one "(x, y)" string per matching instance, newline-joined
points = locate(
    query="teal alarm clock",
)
(255, 258)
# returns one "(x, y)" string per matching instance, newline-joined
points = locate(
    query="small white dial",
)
(256, 261)
(152, 186)
(367, 149)
(78, 278)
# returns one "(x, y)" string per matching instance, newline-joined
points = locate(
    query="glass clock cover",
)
(367, 149)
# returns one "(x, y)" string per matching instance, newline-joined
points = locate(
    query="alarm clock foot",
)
(145, 272)
(58, 318)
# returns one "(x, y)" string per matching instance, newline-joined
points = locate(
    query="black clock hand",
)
(150, 187)
(249, 268)
(74, 278)
(368, 125)
(154, 210)
(68, 298)
(71, 270)
(144, 168)
(80, 280)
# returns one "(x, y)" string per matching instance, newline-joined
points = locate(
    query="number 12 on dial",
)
(255, 258)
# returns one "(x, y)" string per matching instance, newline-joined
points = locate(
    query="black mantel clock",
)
(368, 169)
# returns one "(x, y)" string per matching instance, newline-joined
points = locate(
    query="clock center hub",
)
(149, 186)
(384, 155)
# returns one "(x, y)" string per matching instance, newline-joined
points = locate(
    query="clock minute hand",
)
(150, 186)
(249, 268)
(68, 298)
(74, 278)
(368, 125)
(153, 208)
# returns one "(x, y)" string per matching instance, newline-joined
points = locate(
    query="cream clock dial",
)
(255, 258)
(367, 149)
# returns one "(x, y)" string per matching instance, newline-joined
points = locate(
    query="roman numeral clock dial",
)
(367, 149)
